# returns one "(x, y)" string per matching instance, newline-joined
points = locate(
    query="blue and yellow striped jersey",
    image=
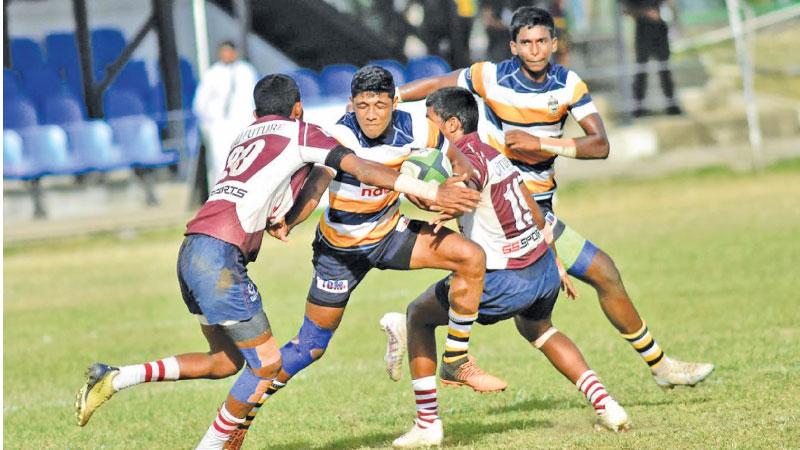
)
(514, 102)
(360, 215)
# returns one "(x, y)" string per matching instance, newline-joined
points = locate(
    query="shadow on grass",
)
(456, 433)
(537, 404)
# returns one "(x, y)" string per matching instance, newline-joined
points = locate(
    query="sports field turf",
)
(710, 259)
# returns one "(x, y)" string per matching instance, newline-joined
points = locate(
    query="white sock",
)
(219, 431)
(427, 404)
(166, 369)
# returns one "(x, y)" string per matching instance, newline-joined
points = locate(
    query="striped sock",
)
(593, 390)
(458, 329)
(166, 369)
(275, 387)
(427, 406)
(220, 430)
(643, 342)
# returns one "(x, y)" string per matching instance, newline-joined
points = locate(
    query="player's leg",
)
(422, 317)
(451, 251)
(640, 78)
(585, 261)
(253, 338)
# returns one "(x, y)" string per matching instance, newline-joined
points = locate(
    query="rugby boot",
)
(613, 418)
(671, 372)
(417, 437)
(97, 390)
(465, 372)
(394, 324)
(236, 439)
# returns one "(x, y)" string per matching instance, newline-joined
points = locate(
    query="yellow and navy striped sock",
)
(643, 342)
(458, 330)
(275, 387)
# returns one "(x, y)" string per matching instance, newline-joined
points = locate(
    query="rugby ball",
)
(427, 164)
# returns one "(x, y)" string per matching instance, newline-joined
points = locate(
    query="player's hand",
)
(566, 282)
(419, 202)
(520, 140)
(279, 230)
(454, 199)
(440, 220)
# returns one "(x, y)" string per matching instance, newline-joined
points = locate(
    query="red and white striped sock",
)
(593, 390)
(220, 430)
(166, 369)
(427, 406)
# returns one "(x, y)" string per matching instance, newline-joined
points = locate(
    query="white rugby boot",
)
(613, 418)
(417, 437)
(394, 324)
(671, 372)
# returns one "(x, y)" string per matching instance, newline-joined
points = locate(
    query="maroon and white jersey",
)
(266, 167)
(502, 224)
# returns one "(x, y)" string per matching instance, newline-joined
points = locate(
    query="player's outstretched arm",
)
(594, 145)
(447, 197)
(419, 89)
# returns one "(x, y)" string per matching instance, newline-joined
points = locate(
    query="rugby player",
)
(226, 235)
(362, 229)
(527, 100)
(522, 277)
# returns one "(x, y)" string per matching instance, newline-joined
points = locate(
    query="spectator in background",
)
(651, 40)
(496, 29)
(461, 29)
(224, 105)
(447, 24)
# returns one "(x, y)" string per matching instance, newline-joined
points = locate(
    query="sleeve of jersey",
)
(314, 143)
(426, 133)
(581, 104)
(473, 78)
(480, 174)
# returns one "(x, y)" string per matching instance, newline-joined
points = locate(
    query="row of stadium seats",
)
(39, 79)
(333, 82)
(83, 147)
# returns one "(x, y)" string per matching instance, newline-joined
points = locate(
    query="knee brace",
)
(541, 340)
(296, 354)
(249, 387)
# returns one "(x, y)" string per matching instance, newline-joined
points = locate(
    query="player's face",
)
(447, 128)
(533, 46)
(373, 112)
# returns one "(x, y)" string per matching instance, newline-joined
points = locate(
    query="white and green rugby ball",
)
(427, 164)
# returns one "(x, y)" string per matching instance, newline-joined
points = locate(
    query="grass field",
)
(710, 259)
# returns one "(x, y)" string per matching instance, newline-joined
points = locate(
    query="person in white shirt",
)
(223, 105)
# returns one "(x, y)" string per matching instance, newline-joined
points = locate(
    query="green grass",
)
(710, 260)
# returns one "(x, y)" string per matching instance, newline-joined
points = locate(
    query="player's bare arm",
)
(594, 145)
(318, 180)
(417, 90)
(447, 197)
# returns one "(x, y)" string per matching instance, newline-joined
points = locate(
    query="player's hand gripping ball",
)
(427, 164)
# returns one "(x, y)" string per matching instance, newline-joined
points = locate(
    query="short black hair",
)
(455, 102)
(230, 44)
(275, 94)
(372, 79)
(531, 16)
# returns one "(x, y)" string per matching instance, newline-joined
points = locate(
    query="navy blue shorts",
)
(530, 292)
(338, 271)
(214, 280)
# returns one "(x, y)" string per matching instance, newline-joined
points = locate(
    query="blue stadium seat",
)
(44, 83)
(15, 165)
(426, 66)
(397, 69)
(26, 54)
(107, 44)
(134, 77)
(308, 82)
(121, 103)
(19, 112)
(92, 143)
(188, 82)
(46, 148)
(62, 53)
(11, 83)
(336, 79)
(137, 137)
(62, 108)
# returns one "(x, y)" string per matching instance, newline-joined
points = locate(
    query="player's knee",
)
(470, 259)
(269, 370)
(605, 274)
(224, 365)
(250, 386)
(308, 346)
